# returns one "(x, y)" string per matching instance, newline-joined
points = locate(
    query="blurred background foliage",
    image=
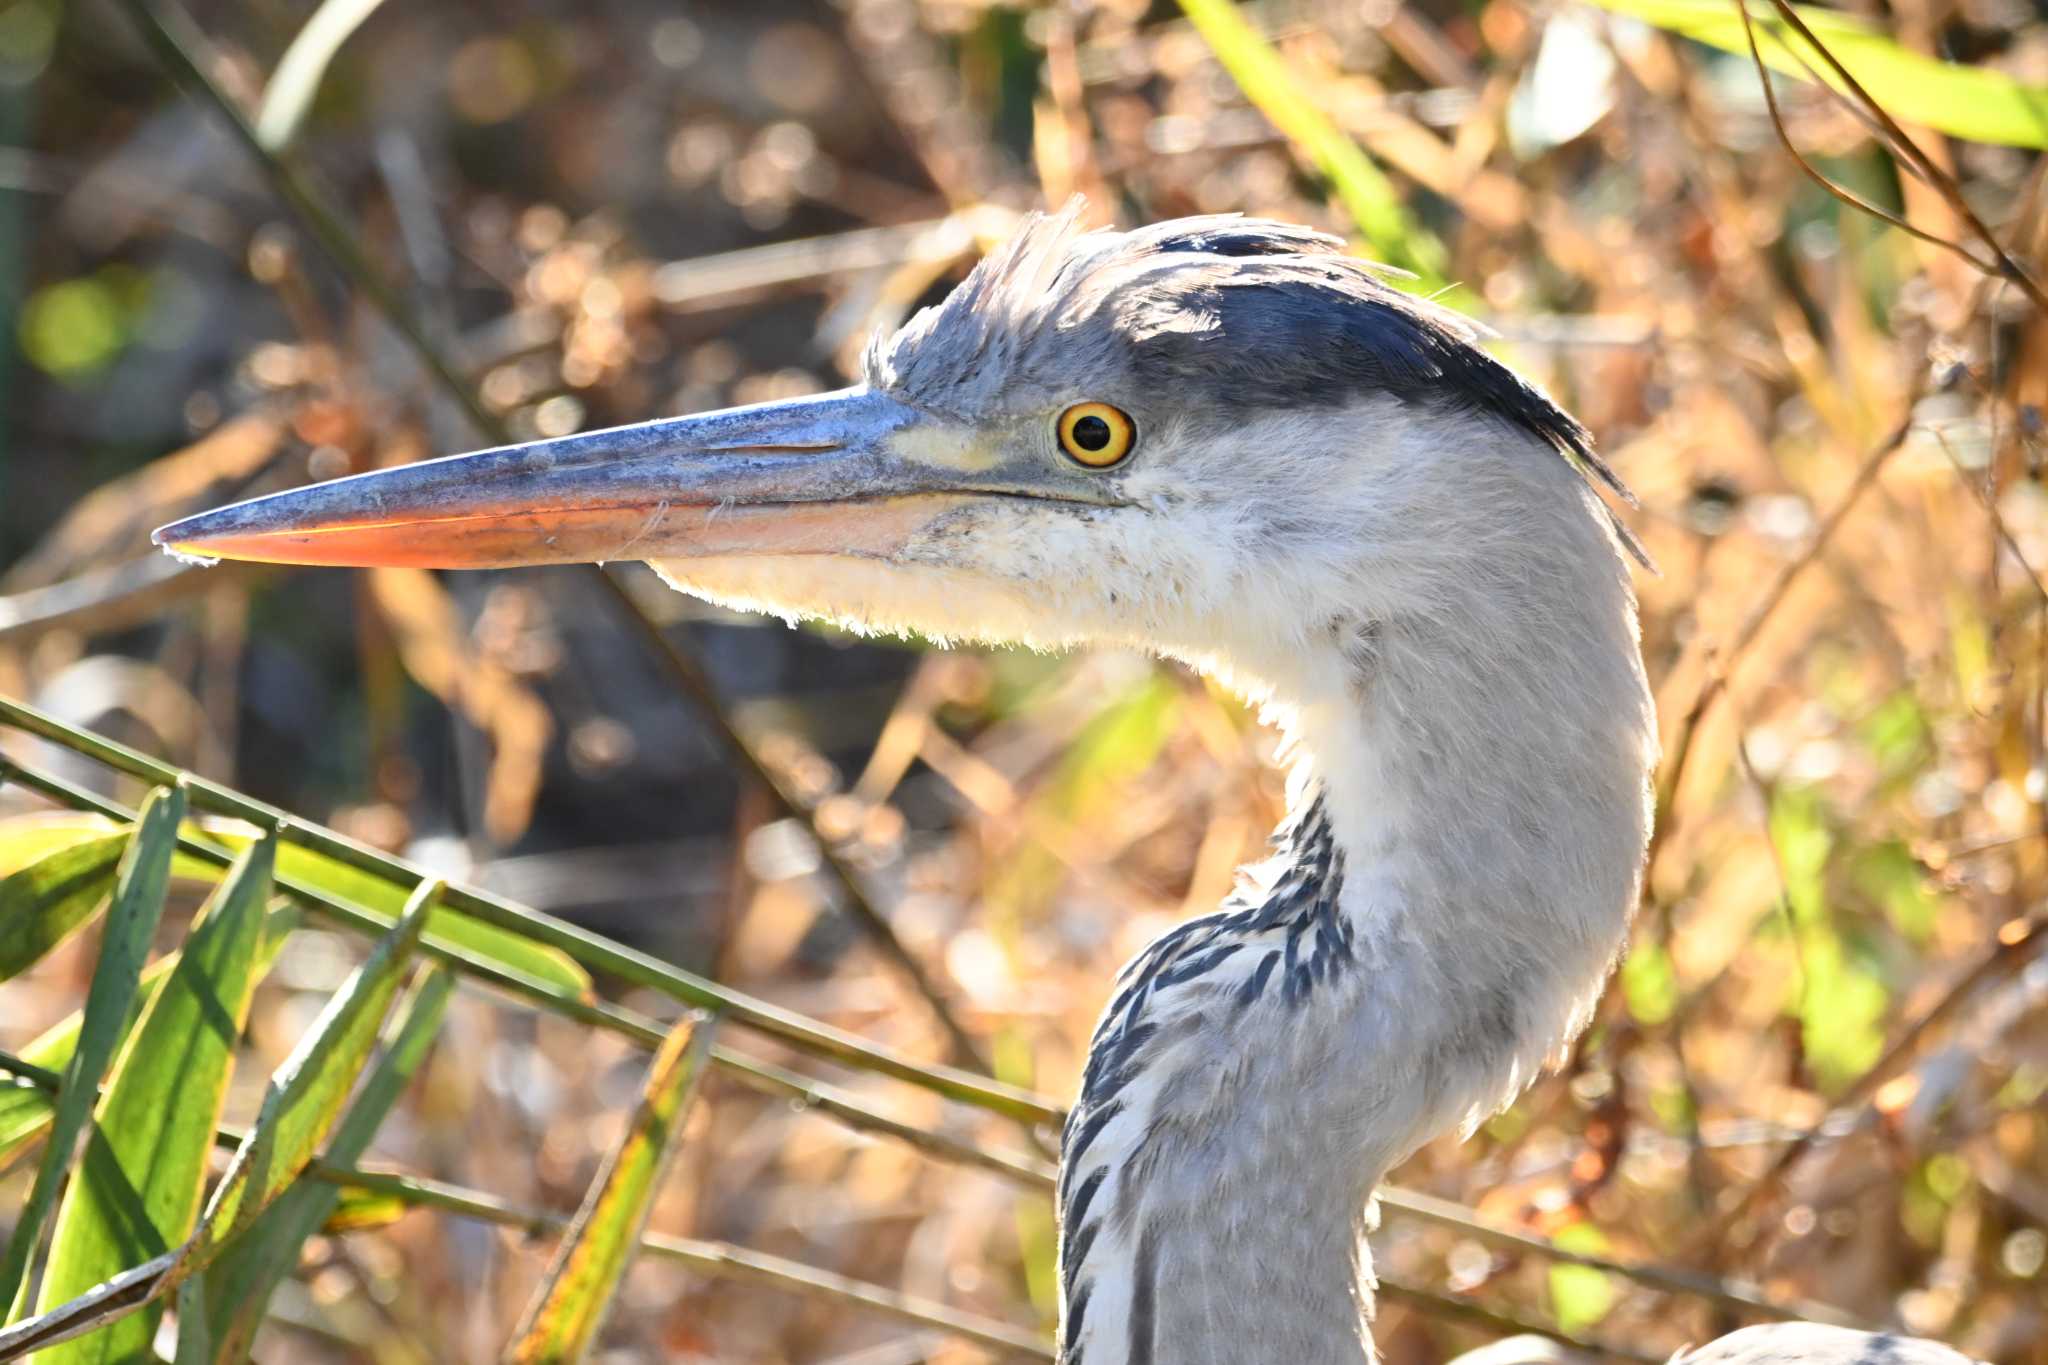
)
(596, 214)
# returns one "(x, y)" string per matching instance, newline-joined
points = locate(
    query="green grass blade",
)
(305, 869)
(447, 928)
(131, 924)
(1974, 102)
(195, 1339)
(26, 1112)
(307, 1093)
(249, 1271)
(567, 1313)
(51, 899)
(137, 1193)
(385, 899)
(1364, 190)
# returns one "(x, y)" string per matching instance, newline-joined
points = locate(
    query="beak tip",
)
(185, 541)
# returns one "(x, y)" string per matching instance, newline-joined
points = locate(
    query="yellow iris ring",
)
(1083, 440)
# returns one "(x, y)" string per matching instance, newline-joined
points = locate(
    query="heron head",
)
(1203, 437)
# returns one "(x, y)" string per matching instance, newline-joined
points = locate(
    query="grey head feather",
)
(1206, 320)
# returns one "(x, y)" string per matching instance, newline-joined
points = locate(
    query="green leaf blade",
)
(138, 903)
(137, 1193)
(51, 899)
(249, 1271)
(1365, 191)
(304, 869)
(448, 928)
(25, 1111)
(564, 1320)
(307, 1093)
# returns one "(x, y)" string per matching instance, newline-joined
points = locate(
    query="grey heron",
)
(1227, 442)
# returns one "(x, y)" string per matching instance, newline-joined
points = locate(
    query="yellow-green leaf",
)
(1974, 102)
(27, 838)
(1366, 193)
(358, 1210)
(567, 1313)
(138, 903)
(136, 1195)
(50, 899)
(307, 1092)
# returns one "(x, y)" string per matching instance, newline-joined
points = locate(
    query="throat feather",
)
(1271, 947)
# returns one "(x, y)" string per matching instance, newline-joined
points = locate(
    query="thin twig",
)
(1842, 192)
(108, 1301)
(693, 682)
(720, 1260)
(1937, 176)
(1759, 615)
(1739, 1295)
(172, 35)
(1017, 1167)
(1507, 1324)
(1989, 503)
(2017, 940)
(2002, 265)
(177, 41)
(725, 275)
(110, 597)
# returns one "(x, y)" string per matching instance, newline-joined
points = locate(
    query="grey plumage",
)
(1297, 938)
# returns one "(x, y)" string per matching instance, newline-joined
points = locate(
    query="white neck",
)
(1480, 752)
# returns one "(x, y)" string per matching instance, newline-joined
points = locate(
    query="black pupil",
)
(1091, 433)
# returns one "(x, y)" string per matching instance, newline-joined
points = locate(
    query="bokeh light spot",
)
(28, 34)
(491, 80)
(74, 328)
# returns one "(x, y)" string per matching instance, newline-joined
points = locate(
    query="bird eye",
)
(1096, 434)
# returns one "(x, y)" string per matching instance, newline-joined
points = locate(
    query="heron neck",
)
(1448, 894)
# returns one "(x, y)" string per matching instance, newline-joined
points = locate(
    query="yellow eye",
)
(1096, 434)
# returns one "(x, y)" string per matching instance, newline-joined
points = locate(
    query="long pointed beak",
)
(781, 478)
